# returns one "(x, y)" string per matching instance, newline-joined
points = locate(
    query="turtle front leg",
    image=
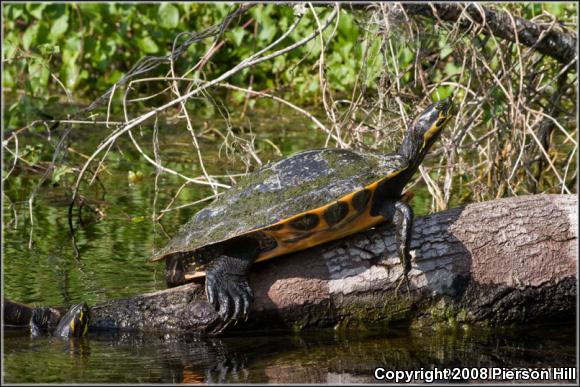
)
(402, 216)
(175, 269)
(403, 220)
(227, 286)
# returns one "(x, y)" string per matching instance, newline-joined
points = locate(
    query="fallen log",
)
(500, 262)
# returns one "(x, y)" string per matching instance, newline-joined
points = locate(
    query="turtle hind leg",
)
(176, 268)
(403, 220)
(227, 286)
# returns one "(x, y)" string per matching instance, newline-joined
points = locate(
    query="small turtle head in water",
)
(75, 322)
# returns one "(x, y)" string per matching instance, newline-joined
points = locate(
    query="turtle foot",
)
(228, 290)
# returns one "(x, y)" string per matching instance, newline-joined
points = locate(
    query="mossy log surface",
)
(508, 261)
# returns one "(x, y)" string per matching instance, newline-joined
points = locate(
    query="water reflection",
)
(314, 357)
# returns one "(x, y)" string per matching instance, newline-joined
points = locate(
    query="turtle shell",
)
(294, 203)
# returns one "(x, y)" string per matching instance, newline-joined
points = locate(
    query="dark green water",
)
(116, 239)
(313, 357)
(118, 235)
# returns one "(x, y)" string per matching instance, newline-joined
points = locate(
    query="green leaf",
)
(314, 86)
(36, 9)
(14, 11)
(7, 80)
(29, 36)
(444, 53)
(47, 49)
(238, 35)
(238, 96)
(60, 171)
(279, 64)
(347, 28)
(148, 45)
(71, 74)
(556, 9)
(442, 92)
(110, 46)
(169, 15)
(8, 51)
(38, 76)
(71, 51)
(137, 219)
(406, 57)
(59, 27)
(452, 69)
(345, 50)
(115, 75)
(268, 31)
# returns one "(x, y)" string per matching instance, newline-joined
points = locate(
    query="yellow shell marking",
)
(290, 239)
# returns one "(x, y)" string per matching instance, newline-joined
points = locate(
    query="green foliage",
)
(85, 48)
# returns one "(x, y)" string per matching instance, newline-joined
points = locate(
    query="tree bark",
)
(500, 262)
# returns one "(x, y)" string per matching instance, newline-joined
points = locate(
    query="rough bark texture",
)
(501, 262)
(554, 42)
(507, 261)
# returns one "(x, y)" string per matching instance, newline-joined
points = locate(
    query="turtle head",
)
(425, 129)
(75, 322)
(427, 125)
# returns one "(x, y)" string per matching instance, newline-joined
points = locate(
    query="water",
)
(117, 237)
(313, 357)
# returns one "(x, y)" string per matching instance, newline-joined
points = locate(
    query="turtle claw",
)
(229, 294)
(219, 328)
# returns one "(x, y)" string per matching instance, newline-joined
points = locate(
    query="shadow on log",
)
(508, 261)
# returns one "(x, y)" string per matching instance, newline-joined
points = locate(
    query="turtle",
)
(74, 323)
(312, 197)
